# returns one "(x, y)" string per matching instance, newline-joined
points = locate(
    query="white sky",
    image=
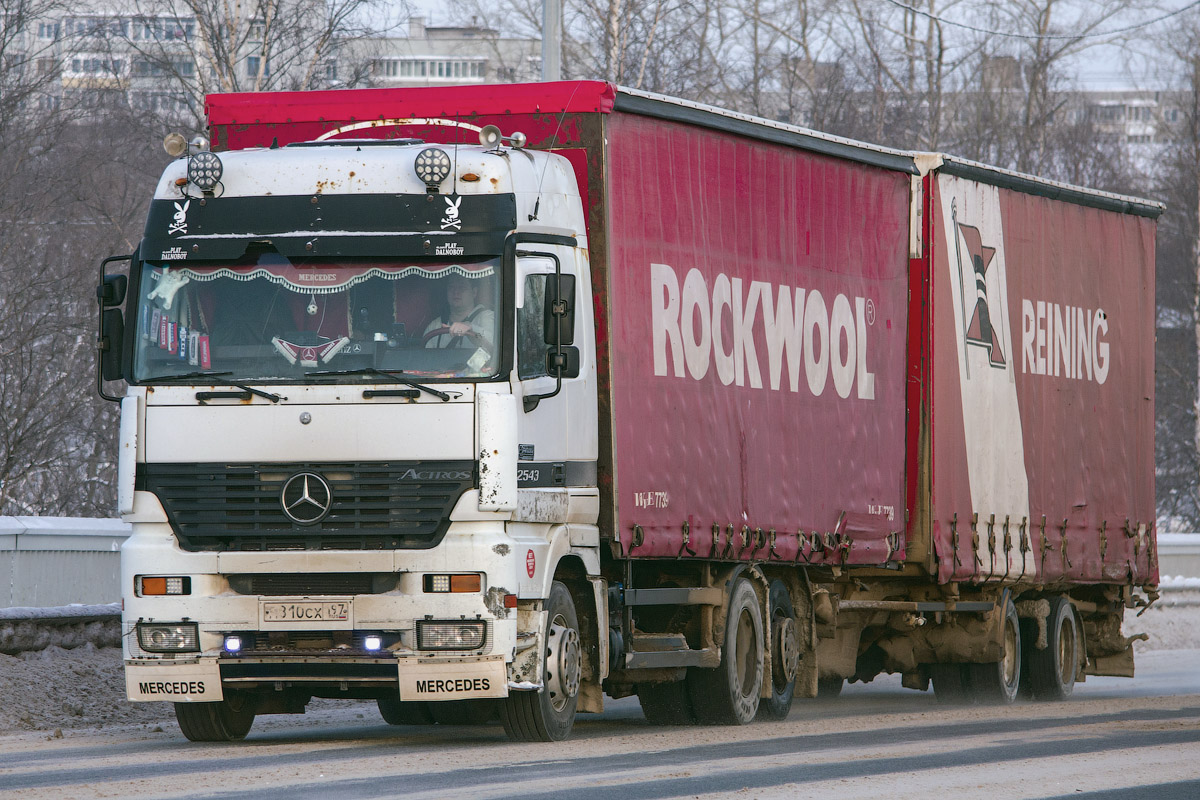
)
(1099, 68)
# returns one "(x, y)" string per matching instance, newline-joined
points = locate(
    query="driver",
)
(466, 322)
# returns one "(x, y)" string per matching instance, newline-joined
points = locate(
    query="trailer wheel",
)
(666, 703)
(998, 682)
(949, 683)
(548, 714)
(1052, 669)
(829, 688)
(785, 652)
(398, 712)
(227, 720)
(728, 695)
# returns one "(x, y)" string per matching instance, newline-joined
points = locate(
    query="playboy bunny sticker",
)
(451, 219)
(179, 223)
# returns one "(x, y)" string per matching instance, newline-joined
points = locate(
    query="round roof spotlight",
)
(490, 136)
(432, 166)
(205, 170)
(175, 144)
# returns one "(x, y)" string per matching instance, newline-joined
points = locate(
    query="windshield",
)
(268, 318)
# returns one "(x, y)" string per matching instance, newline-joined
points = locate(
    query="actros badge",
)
(306, 498)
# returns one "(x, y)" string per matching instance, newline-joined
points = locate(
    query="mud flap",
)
(1119, 665)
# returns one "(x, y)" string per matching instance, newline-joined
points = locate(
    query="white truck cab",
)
(359, 440)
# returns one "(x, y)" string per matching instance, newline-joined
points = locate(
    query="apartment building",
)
(164, 63)
(442, 56)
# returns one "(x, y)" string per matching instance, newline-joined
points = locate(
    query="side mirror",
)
(112, 335)
(112, 291)
(564, 364)
(559, 327)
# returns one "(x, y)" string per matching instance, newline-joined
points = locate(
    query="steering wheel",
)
(433, 334)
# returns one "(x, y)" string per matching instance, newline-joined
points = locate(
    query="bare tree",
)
(1178, 347)
(206, 46)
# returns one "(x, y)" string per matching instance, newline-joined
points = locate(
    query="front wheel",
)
(227, 720)
(399, 712)
(548, 714)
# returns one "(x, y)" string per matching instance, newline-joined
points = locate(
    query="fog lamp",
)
(233, 644)
(372, 642)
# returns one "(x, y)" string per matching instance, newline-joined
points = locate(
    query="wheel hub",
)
(563, 664)
(787, 648)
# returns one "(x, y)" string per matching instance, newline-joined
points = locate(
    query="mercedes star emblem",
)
(306, 498)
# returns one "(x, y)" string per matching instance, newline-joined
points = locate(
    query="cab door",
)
(555, 368)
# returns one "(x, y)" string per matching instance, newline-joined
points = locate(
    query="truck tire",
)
(666, 703)
(228, 720)
(998, 682)
(728, 695)
(1052, 669)
(398, 712)
(548, 714)
(784, 653)
(950, 683)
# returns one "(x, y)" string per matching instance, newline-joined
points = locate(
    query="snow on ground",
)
(85, 687)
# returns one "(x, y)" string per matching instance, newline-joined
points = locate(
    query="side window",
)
(531, 341)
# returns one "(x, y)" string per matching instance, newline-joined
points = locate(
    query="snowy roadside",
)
(84, 687)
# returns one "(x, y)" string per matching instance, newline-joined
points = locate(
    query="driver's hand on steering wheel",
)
(460, 329)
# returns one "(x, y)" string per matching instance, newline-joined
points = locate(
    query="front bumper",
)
(206, 679)
(324, 655)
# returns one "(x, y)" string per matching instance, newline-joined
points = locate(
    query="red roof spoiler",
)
(453, 102)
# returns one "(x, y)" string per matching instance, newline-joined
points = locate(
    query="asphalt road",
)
(1115, 739)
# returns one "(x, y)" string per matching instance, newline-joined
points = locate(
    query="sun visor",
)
(432, 225)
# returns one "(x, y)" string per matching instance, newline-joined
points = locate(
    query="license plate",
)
(306, 612)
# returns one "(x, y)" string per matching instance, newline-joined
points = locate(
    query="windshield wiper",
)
(390, 374)
(218, 377)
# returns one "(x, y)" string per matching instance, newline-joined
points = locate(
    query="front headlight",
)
(451, 634)
(179, 637)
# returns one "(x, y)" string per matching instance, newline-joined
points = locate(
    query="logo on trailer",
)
(980, 331)
(530, 563)
(306, 498)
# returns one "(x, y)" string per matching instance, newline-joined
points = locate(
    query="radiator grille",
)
(312, 584)
(375, 505)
